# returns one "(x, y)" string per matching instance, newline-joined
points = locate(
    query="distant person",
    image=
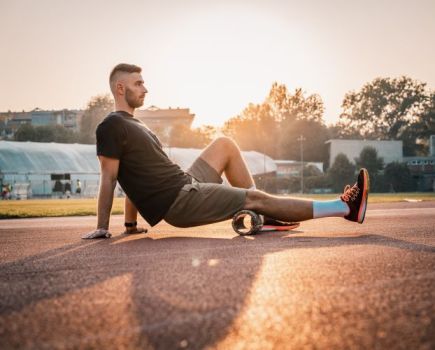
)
(78, 187)
(131, 154)
(6, 191)
(58, 187)
(68, 189)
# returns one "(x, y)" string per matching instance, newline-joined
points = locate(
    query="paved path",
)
(329, 285)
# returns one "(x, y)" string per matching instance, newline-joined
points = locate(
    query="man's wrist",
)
(130, 224)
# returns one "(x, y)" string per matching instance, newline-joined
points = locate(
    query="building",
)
(164, 120)
(423, 171)
(390, 151)
(292, 168)
(422, 168)
(159, 120)
(69, 119)
(38, 169)
(11, 121)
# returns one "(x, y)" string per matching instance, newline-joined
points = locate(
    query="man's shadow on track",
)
(183, 288)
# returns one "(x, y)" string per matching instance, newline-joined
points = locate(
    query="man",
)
(158, 189)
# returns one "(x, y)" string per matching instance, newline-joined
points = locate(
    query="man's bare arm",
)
(130, 215)
(108, 176)
(130, 211)
(109, 173)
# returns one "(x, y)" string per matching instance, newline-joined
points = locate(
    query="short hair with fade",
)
(123, 68)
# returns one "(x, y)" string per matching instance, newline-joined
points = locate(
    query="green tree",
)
(398, 177)
(65, 135)
(427, 118)
(26, 132)
(290, 107)
(273, 126)
(311, 170)
(416, 136)
(315, 134)
(255, 129)
(45, 133)
(97, 109)
(297, 114)
(341, 173)
(369, 159)
(387, 109)
(185, 137)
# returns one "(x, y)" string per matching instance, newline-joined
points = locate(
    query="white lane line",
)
(401, 212)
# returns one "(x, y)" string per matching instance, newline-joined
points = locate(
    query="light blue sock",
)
(323, 209)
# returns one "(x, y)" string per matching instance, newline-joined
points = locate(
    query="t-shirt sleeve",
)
(110, 139)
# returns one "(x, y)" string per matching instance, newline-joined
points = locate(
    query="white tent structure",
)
(38, 169)
(257, 162)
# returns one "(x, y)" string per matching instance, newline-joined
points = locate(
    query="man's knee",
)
(226, 143)
(255, 200)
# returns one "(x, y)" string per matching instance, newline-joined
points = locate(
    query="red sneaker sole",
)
(272, 228)
(363, 207)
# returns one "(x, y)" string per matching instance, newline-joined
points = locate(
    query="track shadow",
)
(183, 289)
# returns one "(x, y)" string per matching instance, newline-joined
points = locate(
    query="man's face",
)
(135, 90)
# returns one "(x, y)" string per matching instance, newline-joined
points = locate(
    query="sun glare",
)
(227, 59)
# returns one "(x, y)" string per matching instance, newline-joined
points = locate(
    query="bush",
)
(317, 182)
(45, 133)
(398, 178)
(341, 173)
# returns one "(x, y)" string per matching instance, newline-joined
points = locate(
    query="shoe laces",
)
(350, 193)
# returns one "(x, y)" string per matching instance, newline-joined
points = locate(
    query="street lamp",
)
(302, 139)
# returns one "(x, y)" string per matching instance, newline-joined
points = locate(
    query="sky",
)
(214, 57)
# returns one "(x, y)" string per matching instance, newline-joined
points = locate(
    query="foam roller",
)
(247, 222)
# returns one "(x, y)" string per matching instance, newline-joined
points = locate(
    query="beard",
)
(132, 101)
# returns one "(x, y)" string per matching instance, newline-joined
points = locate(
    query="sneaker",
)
(272, 225)
(356, 197)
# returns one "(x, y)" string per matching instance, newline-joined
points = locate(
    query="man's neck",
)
(123, 107)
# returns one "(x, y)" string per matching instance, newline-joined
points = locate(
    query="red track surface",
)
(330, 284)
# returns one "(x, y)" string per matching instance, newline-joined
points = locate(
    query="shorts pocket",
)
(190, 187)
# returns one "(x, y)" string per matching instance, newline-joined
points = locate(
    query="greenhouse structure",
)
(53, 170)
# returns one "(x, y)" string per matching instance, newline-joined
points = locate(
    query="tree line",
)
(391, 177)
(383, 109)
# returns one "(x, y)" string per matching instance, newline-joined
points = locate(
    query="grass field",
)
(77, 207)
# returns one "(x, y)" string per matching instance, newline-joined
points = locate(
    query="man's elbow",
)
(109, 180)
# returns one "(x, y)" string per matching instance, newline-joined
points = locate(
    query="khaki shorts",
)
(206, 200)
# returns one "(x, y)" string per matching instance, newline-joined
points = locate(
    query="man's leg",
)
(225, 157)
(281, 208)
(351, 205)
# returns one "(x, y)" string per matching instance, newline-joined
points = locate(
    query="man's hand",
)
(98, 233)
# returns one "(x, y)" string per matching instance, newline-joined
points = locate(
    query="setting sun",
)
(214, 58)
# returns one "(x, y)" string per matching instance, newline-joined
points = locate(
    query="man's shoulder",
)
(113, 123)
(113, 120)
(113, 117)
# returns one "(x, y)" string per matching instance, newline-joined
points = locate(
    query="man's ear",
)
(120, 89)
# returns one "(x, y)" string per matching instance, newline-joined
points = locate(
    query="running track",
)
(331, 284)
